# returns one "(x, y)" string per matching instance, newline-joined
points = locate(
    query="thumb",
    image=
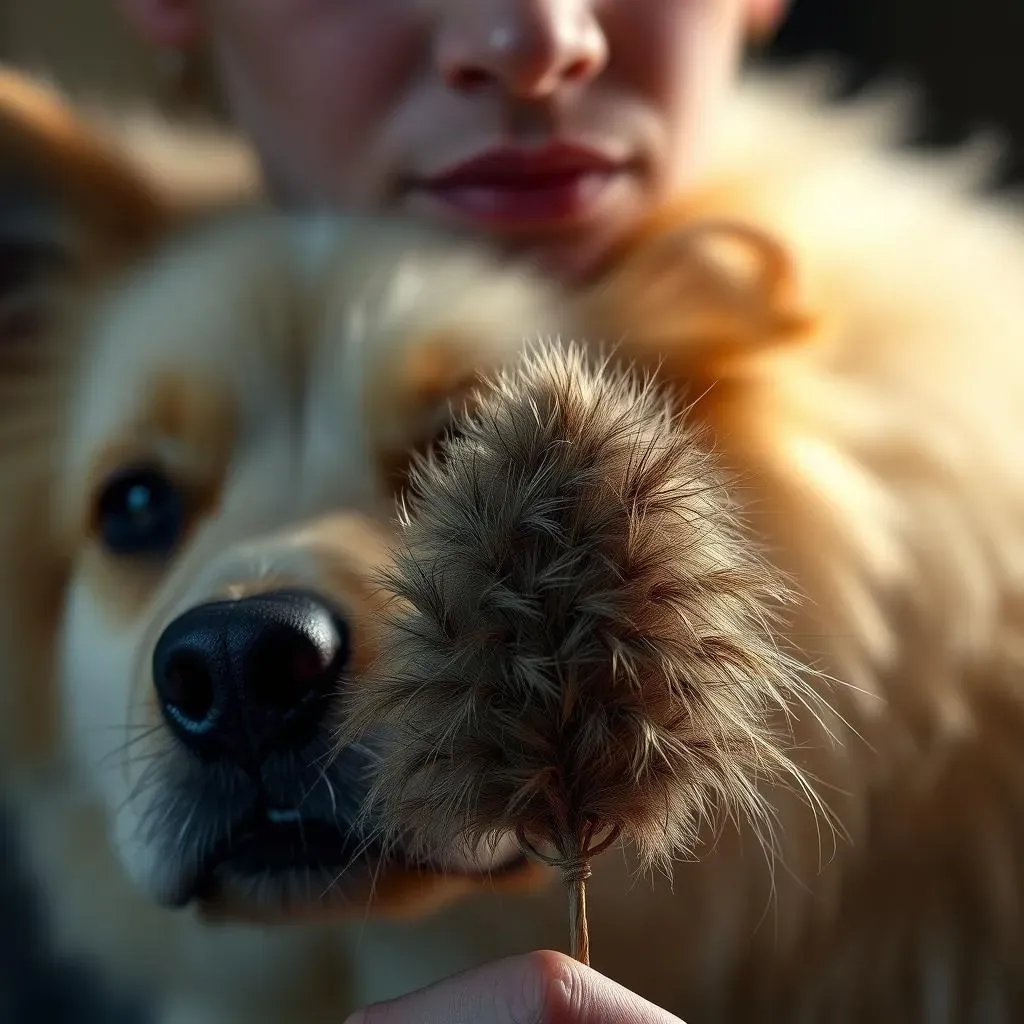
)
(540, 988)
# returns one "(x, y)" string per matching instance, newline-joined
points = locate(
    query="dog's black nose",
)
(242, 679)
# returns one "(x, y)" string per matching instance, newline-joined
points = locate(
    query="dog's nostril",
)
(188, 689)
(288, 664)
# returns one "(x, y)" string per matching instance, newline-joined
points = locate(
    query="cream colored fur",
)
(881, 455)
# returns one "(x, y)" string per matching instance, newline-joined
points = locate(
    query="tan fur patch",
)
(411, 404)
(699, 299)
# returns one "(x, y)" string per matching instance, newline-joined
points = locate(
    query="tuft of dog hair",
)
(582, 633)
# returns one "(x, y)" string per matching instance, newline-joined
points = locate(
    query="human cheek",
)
(650, 42)
(675, 57)
(315, 86)
(359, 67)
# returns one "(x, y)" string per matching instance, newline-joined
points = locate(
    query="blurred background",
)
(965, 58)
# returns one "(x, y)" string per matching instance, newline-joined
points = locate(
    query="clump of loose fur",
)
(582, 641)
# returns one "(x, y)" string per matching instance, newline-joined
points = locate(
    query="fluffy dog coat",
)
(846, 323)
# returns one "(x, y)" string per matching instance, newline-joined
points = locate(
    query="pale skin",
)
(367, 103)
(539, 988)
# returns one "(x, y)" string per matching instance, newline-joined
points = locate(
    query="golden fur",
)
(853, 339)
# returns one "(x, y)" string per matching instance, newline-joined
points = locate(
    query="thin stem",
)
(579, 932)
(575, 872)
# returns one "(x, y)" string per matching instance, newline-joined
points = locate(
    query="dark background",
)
(966, 56)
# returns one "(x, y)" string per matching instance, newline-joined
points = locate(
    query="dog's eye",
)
(141, 512)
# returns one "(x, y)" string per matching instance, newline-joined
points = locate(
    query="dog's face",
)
(202, 465)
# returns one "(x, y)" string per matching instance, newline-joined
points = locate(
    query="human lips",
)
(523, 188)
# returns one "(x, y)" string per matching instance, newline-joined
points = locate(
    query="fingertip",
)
(561, 982)
(569, 992)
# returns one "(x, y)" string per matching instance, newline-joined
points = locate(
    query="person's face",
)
(377, 103)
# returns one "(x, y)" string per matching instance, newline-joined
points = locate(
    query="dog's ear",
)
(71, 207)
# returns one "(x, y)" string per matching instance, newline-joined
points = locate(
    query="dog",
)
(206, 414)
(244, 460)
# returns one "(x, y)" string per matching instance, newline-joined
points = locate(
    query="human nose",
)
(529, 49)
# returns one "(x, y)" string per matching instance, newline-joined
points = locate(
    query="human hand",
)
(540, 988)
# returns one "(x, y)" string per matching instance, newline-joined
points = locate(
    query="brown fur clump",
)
(582, 640)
